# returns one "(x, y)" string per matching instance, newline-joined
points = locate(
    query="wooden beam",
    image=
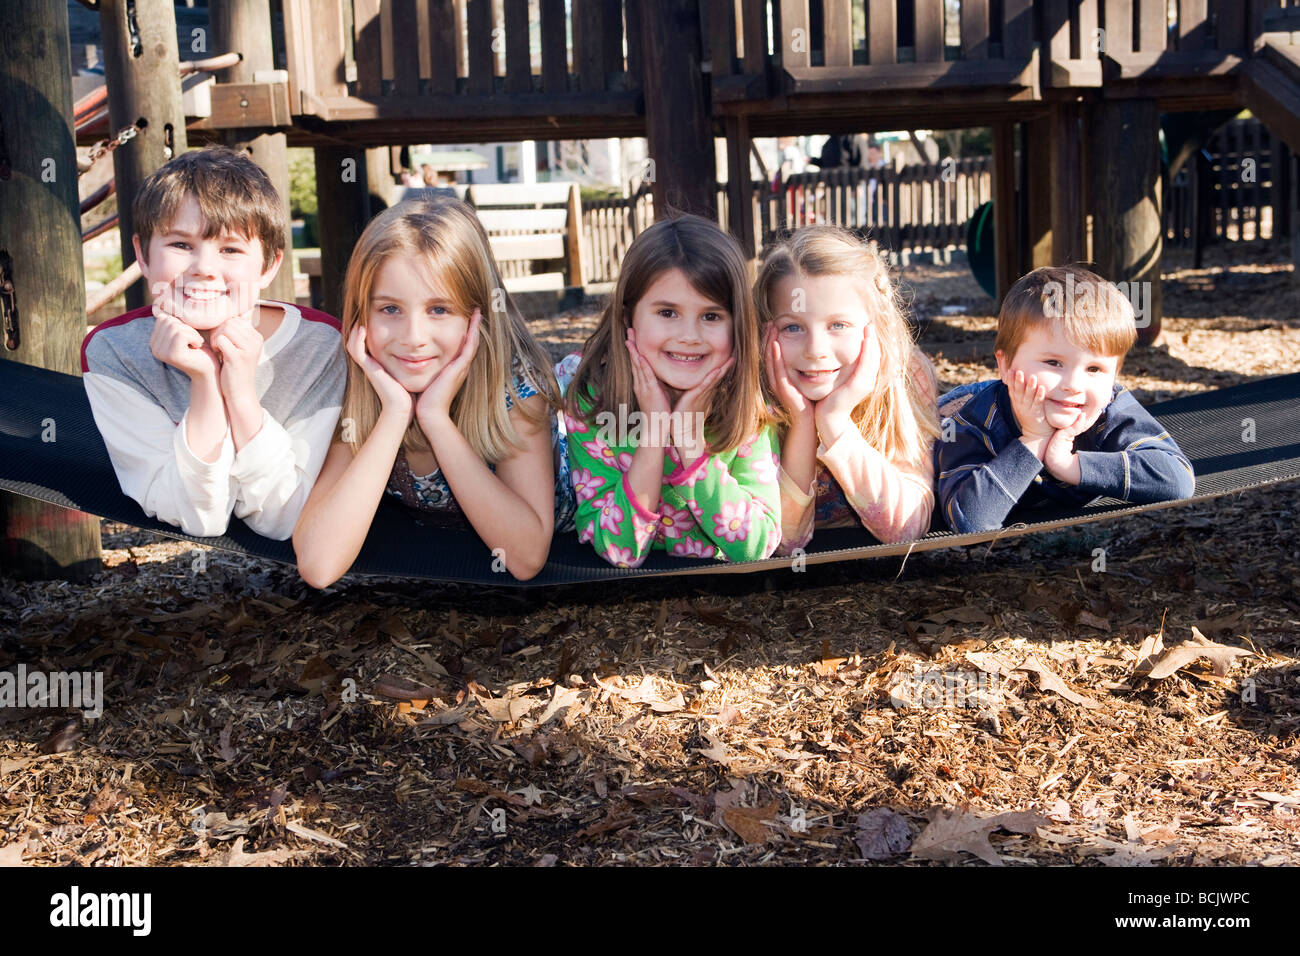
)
(1036, 145)
(240, 102)
(145, 86)
(1066, 184)
(343, 208)
(740, 199)
(1004, 207)
(1125, 196)
(678, 125)
(42, 282)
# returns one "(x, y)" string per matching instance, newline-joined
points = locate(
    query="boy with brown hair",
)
(1055, 426)
(212, 401)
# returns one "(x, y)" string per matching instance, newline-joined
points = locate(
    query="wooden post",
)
(145, 86)
(40, 255)
(342, 209)
(244, 27)
(740, 195)
(573, 238)
(678, 127)
(1004, 206)
(1036, 142)
(1128, 231)
(1066, 184)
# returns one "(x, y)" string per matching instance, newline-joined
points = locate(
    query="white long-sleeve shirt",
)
(140, 406)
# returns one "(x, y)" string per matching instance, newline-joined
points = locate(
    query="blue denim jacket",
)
(985, 471)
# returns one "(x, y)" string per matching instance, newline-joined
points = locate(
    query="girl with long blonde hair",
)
(855, 396)
(449, 405)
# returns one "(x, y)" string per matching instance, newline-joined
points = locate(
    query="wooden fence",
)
(921, 206)
(1243, 187)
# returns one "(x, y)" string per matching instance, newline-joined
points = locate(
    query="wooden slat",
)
(523, 220)
(632, 26)
(1089, 13)
(611, 41)
(1153, 26)
(1056, 30)
(442, 46)
(459, 32)
(509, 248)
(795, 44)
(929, 31)
(1230, 24)
(722, 31)
(1017, 29)
(1119, 27)
(555, 55)
(837, 30)
(573, 237)
(975, 29)
(482, 60)
(366, 28)
(515, 194)
(754, 30)
(588, 39)
(519, 71)
(1004, 207)
(542, 282)
(402, 32)
(1193, 24)
(882, 32)
(297, 47)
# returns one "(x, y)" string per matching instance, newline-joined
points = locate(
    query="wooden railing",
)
(456, 60)
(1242, 189)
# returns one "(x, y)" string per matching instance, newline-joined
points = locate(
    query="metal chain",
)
(106, 146)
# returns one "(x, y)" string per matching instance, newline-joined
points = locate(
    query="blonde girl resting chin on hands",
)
(855, 396)
(449, 404)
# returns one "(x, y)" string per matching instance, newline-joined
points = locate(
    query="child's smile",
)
(821, 323)
(1075, 379)
(412, 328)
(682, 334)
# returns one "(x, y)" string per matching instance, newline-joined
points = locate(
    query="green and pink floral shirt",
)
(725, 506)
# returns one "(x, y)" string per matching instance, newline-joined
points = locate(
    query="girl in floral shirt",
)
(668, 438)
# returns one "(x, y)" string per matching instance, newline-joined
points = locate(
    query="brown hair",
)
(714, 265)
(234, 194)
(449, 242)
(899, 416)
(1093, 313)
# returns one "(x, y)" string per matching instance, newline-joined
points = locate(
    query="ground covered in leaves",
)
(1040, 702)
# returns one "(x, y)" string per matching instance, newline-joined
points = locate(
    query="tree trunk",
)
(40, 255)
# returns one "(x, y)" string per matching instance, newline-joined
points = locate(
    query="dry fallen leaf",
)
(882, 834)
(951, 833)
(1220, 656)
(12, 855)
(562, 698)
(1047, 680)
(506, 710)
(750, 823)
(276, 857)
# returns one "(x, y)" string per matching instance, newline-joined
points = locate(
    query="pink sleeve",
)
(797, 514)
(892, 501)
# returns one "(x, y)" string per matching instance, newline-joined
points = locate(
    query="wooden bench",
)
(528, 223)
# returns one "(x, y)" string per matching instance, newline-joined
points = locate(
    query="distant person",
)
(430, 175)
(212, 401)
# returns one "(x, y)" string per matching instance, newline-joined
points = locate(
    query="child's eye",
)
(714, 316)
(389, 309)
(666, 313)
(839, 325)
(440, 310)
(1052, 362)
(1094, 368)
(233, 249)
(792, 328)
(179, 244)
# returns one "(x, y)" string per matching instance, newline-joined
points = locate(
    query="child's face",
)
(413, 329)
(823, 326)
(202, 281)
(1073, 377)
(682, 334)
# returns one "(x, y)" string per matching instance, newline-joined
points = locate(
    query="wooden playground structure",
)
(1073, 90)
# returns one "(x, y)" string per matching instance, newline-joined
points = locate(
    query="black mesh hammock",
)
(74, 471)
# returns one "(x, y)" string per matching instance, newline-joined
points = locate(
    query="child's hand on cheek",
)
(835, 411)
(1027, 401)
(434, 406)
(689, 413)
(1059, 456)
(778, 378)
(393, 398)
(182, 347)
(649, 391)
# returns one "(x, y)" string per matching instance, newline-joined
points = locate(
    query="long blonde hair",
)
(899, 416)
(714, 265)
(447, 239)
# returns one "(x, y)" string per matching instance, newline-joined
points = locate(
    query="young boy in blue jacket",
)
(1055, 427)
